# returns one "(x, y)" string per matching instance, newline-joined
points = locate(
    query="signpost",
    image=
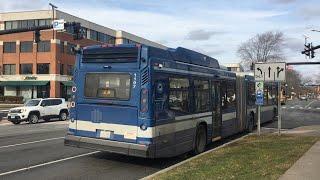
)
(269, 72)
(259, 101)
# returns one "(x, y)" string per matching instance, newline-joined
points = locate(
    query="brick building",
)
(45, 69)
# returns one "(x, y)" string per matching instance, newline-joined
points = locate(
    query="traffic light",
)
(312, 54)
(37, 36)
(307, 49)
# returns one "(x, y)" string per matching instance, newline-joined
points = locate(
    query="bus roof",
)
(179, 54)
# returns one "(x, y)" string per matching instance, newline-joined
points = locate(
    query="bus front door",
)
(216, 111)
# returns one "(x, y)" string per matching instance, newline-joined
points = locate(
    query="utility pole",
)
(53, 7)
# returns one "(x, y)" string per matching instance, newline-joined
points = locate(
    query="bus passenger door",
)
(216, 111)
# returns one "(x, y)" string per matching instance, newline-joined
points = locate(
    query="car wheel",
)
(33, 119)
(16, 122)
(63, 116)
(201, 140)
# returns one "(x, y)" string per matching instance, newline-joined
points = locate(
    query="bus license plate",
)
(105, 134)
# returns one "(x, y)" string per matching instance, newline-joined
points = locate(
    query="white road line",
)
(47, 163)
(310, 103)
(31, 142)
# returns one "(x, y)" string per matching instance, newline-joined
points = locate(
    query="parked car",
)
(35, 109)
(303, 98)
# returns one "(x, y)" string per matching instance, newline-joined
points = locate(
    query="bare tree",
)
(293, 81)
(265, 47)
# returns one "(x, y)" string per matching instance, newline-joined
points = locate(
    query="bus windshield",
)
(108, 85)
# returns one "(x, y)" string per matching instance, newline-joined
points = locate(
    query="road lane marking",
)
(47, 163)
(310, 103)
(31, 142)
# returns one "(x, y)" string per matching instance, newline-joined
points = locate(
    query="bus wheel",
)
(251, 124)
(200, 140)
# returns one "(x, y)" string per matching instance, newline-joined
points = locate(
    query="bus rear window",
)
(111, 55)
(108, 86)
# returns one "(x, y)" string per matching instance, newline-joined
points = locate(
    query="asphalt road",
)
(37, 151)
(297, 113)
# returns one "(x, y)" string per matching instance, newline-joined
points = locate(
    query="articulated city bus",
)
(149, 102)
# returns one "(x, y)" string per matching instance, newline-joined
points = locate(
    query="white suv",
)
(35, 109)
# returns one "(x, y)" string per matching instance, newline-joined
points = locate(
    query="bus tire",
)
(200, 140)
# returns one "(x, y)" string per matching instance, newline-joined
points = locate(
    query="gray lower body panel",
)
(110, 146)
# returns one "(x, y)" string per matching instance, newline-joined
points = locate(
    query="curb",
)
(194, 157)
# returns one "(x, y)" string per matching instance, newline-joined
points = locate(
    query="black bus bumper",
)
(131, 149)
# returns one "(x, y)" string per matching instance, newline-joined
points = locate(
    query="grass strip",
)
(264, 157)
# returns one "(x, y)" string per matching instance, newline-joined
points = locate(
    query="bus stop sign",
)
(259, 93)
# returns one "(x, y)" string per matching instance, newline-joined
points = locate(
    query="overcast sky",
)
(214, 27)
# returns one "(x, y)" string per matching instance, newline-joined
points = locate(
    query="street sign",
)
(58, 24)
(259, 93)
(270, 72)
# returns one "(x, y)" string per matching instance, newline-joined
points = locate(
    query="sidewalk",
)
(307, 167)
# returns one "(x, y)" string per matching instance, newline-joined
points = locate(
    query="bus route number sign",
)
(259, 93)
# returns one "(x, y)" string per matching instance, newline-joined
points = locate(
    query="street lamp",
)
(53, 7)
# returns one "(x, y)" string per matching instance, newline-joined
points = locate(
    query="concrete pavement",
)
(307, 167)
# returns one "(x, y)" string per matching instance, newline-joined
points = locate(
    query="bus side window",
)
(202, 97)
(179, 96)
(161, 99)
(251, 94)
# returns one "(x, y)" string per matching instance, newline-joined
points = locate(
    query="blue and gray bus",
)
(148, 102)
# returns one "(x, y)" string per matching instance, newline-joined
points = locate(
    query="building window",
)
(179, 96)
(44, 46)
(26, 23)
(9, 47)
(23, 24)
(84, 32)
(69, 47)
(62, 47)
(111, 40)
(9, 69)
(201, 94)
(25, 68)
(43, 22)
(70, 70)
(93, 35)
(43, 68)
(61, 69)
(26, 46)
